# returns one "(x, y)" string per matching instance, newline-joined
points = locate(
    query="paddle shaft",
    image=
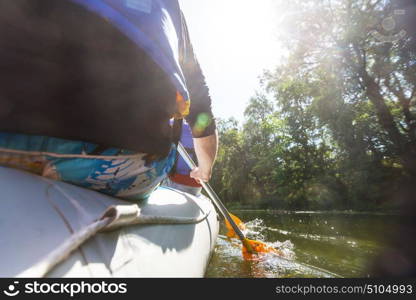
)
(211, 193)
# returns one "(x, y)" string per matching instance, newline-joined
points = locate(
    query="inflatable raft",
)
(54, 229)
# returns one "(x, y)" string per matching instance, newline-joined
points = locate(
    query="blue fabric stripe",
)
(112, 176)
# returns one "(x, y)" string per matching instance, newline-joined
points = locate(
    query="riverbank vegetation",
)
(334, 126)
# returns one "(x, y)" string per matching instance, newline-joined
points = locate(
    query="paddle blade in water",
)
(251, 248)
(257, 248)
(231, 233)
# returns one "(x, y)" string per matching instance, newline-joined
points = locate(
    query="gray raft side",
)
(38, 214)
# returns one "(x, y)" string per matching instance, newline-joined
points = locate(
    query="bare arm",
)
(206, 152)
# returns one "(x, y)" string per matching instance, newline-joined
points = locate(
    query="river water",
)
(315, 244)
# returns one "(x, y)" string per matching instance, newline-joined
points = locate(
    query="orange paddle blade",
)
(257, 248)
(231, 233)
(251, 248)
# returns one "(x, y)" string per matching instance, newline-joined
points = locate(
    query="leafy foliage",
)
(335, 126)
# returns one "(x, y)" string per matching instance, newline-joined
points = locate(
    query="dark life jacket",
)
(102, 71)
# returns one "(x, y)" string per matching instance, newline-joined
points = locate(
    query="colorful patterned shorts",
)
(116, 172)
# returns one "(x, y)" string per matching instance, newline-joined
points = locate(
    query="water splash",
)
(256, 229)
(268, 265)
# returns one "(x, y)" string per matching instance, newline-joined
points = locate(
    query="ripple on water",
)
(268, 265)
(342, 243)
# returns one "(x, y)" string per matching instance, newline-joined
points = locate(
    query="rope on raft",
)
(114, 217)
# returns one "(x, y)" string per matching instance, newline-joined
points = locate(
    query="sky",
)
(234, 41)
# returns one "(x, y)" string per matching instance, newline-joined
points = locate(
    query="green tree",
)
(335, 127)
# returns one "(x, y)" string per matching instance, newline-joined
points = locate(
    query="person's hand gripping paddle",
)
(251, 248)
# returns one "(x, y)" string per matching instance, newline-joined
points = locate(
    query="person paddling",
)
(87, 89)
